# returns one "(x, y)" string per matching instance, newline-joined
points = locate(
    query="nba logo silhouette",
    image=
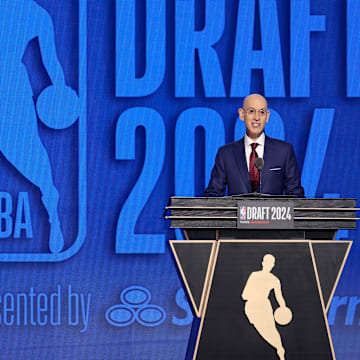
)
(42, 138)
(242, 212)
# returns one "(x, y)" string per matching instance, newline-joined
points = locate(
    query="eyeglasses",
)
(252, 112)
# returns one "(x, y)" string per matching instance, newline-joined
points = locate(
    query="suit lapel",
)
(239, 154)
(267, 151)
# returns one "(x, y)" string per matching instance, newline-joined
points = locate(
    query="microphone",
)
(259, 164)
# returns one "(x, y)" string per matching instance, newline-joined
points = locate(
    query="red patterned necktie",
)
(253, 171)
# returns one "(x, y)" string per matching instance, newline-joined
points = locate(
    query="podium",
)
(260, 273)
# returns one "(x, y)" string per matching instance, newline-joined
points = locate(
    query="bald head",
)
(255, 99)
(255, 114)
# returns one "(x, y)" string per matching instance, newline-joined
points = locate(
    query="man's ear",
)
(268, 116)
(241, 114)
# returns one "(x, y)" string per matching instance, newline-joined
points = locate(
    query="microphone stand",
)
(259, 167)
(260, 184)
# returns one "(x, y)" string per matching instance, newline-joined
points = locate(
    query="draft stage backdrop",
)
(110, 107)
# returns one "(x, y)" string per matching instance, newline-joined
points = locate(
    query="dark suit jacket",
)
(280, 173)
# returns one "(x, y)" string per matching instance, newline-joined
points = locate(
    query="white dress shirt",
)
(259, 149)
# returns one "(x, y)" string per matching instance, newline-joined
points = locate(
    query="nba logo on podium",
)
(42, 136)
(242, 212)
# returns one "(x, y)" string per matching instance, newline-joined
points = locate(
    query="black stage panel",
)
(194, 261)
(226, 332)
(329, 257)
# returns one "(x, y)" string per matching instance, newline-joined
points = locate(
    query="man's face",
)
(255, 114)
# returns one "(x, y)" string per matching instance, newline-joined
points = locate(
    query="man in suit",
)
(235, 162)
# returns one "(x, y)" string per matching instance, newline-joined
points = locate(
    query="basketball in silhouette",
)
(283, 315)
(58, 106)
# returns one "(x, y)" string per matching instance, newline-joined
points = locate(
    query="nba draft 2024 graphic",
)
(108, 108)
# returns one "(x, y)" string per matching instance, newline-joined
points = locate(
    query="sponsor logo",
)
(135, 306)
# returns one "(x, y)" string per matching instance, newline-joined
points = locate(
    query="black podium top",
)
(321, 215)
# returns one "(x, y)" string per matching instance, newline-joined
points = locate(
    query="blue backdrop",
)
(157, 87)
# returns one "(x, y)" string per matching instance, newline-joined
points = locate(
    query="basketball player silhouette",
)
(258, 308)
(22, 21)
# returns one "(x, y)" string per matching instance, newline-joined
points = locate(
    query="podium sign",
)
(265, 214)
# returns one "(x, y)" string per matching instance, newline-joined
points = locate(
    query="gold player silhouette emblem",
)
(258, 308)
